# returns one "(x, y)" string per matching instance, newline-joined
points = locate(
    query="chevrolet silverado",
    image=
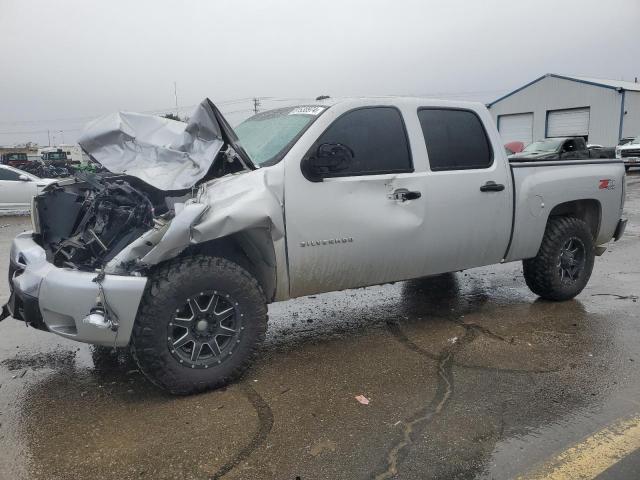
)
(196, 227)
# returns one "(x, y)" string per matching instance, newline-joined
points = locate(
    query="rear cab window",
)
(456, 139)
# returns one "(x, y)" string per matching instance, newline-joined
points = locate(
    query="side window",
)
(8, 175)
(377, 137)
(456, 139)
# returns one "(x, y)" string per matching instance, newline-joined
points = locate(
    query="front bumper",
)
(58, 299)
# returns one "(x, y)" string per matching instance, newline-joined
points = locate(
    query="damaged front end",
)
(111, 223)
(153, 165)
(84, 224)
(82, 272)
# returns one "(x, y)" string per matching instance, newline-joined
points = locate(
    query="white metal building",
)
(602, 111)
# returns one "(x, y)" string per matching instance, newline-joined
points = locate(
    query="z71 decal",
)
(607, 184)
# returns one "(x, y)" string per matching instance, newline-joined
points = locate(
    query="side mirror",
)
(23, 178)
(328, 159)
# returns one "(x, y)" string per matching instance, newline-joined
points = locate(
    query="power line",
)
(72, 120)
(28, 132)
(246, 110)
(255, 101)
(155, 110)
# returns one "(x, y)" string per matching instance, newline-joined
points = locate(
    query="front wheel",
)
(200, 324)
(563, 265)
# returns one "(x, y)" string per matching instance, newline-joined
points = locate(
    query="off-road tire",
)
(542, 273)
(170, 285)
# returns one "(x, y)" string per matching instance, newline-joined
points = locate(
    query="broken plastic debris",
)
(362, 399)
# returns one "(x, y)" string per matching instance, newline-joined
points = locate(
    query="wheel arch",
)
(588, 210)
(252, 249)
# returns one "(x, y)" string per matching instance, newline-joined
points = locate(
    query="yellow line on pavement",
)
(593, 455)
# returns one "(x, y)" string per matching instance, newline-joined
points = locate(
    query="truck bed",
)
(540, 188)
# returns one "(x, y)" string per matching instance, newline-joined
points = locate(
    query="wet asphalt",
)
(468, 375)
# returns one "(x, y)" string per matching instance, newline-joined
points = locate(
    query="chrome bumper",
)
(58, 299)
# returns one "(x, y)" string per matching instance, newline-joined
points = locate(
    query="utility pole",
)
(49, 136)
(175, 94)
(256, 105)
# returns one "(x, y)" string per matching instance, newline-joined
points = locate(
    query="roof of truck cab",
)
(396, 100)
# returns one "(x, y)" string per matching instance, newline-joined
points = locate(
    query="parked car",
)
(514, 147)
(629, 152)
(179, 258)
(17, 188)
(14, 159)
(563, 148)
(625, 140)
(55, 157)
(600, 151)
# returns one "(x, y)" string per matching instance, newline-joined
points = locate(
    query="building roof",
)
(603, 82)
(598, 82)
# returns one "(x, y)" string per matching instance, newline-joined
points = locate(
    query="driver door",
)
(358, 225)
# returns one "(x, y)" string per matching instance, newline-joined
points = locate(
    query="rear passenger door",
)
(467, 193)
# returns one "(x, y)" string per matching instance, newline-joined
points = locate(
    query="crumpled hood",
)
(166, 154)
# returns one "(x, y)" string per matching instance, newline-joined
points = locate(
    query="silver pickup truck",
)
(194, 228)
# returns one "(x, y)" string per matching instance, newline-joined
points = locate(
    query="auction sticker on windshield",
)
(307, 111)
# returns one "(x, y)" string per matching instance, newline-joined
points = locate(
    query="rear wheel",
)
(200, 324)
(564, 262)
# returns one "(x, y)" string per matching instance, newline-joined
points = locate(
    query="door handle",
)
(492, 186)
(402, 195)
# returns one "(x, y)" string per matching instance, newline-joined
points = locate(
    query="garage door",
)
(568, 123)
(516, 128)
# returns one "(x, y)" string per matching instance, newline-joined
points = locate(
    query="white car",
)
(17, 188)
(630, 153)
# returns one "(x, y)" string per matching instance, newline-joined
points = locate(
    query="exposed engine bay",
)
(85, 223)
(154, 163)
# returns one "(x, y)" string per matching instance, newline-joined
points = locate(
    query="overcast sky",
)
(65, 61)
